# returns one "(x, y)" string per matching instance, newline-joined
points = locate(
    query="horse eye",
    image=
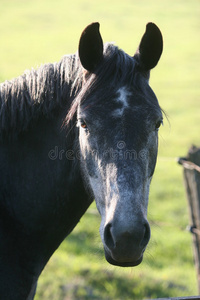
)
(158, 124)
(83, 125)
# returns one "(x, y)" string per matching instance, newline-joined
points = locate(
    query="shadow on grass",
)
(83, 242)
(108, 286)
(101, 283)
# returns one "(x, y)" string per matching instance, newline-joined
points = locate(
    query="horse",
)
(81, 129)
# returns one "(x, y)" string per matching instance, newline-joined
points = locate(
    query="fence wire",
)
(188, 164)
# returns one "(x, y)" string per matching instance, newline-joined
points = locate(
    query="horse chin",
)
(123, 264)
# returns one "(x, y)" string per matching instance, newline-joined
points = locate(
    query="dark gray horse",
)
(83, 128)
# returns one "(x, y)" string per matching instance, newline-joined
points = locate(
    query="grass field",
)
(39, 31)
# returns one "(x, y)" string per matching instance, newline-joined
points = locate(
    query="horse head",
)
(118, 119)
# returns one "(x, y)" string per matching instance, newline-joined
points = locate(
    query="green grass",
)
(35, 32)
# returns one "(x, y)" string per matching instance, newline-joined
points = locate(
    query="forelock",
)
(116, 70)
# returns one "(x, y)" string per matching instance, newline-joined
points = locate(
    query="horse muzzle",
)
(124, 245)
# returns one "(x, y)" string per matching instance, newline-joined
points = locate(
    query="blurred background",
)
(42, 31)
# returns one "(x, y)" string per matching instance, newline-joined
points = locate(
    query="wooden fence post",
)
(191, 173)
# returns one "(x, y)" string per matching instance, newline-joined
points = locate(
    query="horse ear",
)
(150, 48)
(91, 47)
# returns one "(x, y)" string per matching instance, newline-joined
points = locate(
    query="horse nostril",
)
(147, 233)
(108, 236)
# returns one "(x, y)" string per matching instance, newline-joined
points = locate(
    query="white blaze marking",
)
(122, 99)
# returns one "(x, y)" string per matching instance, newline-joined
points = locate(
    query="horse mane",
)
(38, 92)
(42, 91)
